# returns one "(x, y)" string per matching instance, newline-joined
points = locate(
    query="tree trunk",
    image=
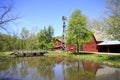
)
(77, 47)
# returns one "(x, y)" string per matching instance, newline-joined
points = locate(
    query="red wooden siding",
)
(91, 47)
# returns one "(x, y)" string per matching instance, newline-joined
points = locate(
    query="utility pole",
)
(64, 33)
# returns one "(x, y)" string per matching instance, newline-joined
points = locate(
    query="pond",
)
(55, 68)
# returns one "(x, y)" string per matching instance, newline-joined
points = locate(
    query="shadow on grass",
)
(82, 53)
(113, 57)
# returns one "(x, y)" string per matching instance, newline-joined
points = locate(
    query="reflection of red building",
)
(90, 65)
(68, 47)
(59, 59)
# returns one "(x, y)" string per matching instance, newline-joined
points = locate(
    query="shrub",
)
(113, 57)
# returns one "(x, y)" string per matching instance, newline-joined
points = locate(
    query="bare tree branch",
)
(5, 15)
(8, 20)
(7, 10)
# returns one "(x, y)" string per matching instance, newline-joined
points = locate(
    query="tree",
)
(24, 36)
(32, 42)
(98, 29)
(5, 42)
(5, 14)
(42, 45)
(45, 38)
(50, 33)
(113, 18)
(77, 33)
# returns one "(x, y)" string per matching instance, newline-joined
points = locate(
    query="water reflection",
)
(49, 68)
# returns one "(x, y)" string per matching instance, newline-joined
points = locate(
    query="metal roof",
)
(115, 42)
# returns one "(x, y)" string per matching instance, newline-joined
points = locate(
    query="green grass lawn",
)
(111, 60)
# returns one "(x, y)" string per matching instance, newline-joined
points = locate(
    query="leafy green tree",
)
(45, 38)
(50, 33)
(24, 36)
(113, 18)
(77, 33)
(32, 42)
(5, 42)
(42, 45)
(42, 35)
(51, 45)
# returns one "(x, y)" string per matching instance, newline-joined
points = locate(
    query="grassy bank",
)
(111, 60)
(5, 55)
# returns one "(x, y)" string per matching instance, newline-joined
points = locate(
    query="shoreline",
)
(103, 59)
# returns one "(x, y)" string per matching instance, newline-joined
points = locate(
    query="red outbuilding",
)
(68, 47)
(58, 45)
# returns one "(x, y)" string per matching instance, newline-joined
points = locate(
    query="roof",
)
(115, 42)
(59, 40)
(101, 36)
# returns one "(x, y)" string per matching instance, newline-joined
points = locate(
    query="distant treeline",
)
(28, 41)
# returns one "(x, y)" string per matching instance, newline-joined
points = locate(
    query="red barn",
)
(102, 46)
(93, 46)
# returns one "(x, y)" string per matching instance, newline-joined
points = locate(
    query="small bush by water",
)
(5, 55)
(113, 57)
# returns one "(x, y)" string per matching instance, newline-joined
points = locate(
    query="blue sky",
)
(42, 13)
